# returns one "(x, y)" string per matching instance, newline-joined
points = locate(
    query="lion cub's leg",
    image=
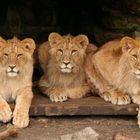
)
(136, 99)
(78, 92)
(60, 94)
(116, 97)
(138, 117)
(56, 94)
(106, 91)
(5, 111)
(21, 112)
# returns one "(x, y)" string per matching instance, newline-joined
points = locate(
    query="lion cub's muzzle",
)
(66, 67)
(12, 71)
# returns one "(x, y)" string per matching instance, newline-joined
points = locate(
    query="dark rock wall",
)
(102, 21)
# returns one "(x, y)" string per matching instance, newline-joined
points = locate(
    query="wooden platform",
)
(42, 106)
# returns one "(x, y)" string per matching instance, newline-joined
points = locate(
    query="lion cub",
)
(16, 68)
(115, 70)
(62, 59)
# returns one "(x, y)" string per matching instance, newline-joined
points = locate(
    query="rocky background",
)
(102, 21)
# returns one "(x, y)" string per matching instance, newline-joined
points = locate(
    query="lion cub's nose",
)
(66, 63)
(12, 66)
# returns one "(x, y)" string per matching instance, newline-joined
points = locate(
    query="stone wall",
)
(102, 21)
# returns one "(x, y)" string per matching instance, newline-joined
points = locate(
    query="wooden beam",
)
(42, 106)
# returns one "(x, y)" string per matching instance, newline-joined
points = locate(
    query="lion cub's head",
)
(131, 50)
(16, 56)
(67, 52)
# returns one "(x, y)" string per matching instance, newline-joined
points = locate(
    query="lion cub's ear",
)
(127, 44)
(29, 45)
(54, 38)
(82, 40)
(2, 41)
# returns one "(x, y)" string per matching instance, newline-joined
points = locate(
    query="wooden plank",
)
(42, 106)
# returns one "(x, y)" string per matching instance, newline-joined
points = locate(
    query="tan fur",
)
(115, 70)
(70, 82)
(16, 68)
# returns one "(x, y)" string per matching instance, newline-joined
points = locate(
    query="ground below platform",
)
(50, 128)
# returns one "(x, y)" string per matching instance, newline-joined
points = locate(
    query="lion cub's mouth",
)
(66, 70)
(137, 75)
(12, 73)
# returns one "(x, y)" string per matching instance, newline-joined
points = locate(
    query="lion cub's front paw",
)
(20, 119)
(138, 117)
(5, 113)
(117, 98)
(58, 97)
(136, 99)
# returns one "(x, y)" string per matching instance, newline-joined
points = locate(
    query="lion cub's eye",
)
(60, 51)
(135, 56)
(73, 52)
(18, 55)
(5, 54)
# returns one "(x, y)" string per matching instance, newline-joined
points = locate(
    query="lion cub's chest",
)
(67, 81)
(129, 85)
(8, 89)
